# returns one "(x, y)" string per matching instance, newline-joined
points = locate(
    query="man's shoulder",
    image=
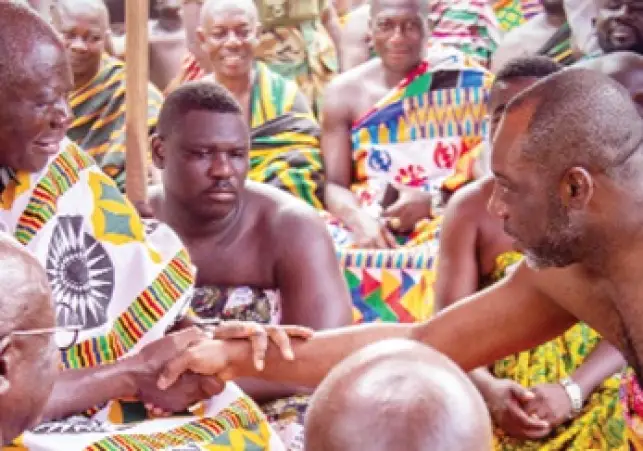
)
(353, 79)
(286, 215)
(471, 200)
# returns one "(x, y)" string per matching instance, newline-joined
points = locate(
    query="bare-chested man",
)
(168, 43)
(407, 396)
(567, 162)
(545, 34)
(280, 264)
(28, 354)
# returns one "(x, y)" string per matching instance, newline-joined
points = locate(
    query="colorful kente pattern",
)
(62, 174)
(632, 401)
(511, 13)
(237, 428)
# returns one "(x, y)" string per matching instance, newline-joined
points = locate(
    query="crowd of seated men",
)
(309, 173)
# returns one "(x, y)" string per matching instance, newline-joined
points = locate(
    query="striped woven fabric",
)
(511, 13)
(99, 117)
(285, 138)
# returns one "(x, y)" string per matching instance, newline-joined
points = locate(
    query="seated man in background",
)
(547, 33)
(474, 253)
(125, 286)
(397, 395)
(268, 238)
(28, 354)
(391, 153)
(285, 135)
(98, 98)
(467, 25)
(167, 41)
(301, 49)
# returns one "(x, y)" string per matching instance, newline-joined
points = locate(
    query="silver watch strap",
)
(575, 394)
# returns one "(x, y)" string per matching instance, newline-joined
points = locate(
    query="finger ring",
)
(395, 223)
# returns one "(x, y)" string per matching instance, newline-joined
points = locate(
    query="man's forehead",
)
(394, 7)
(93, 11)
(511, 135)
(213, 10)
(196, 127)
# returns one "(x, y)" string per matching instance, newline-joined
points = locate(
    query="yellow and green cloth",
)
(285, 138)
(512, 13)
(99, 117)
(600, 426)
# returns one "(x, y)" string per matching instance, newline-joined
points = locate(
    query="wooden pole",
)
(136, 144)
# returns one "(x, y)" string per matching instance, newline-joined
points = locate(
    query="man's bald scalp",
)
(406, 395)
(580, 118)
(25, 287)
(21, 29)
(423, 5)
(212, 7)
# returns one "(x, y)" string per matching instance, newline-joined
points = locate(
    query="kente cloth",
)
(125, 283)
(632, 401)
(468, 25)
(559, 46)
(285, 138)
(263, 306)
(512, 13)
(99, 117)
(416, 135)
(600, 426)
(190, 70)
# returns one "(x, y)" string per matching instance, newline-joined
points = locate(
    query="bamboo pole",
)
(137, 54)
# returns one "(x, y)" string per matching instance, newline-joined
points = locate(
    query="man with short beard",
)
(619, 25)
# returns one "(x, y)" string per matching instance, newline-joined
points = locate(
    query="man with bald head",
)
(567, 162)
(397, 395)
(98, 97)
(28, 354)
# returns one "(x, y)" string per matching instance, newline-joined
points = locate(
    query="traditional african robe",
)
(125, 284)
(99, 117)
(559, 46)
(419, 135)
(285, 138)
(468, 25)
(261, 306)
(600, 425)
(632, 402)
(512, 13)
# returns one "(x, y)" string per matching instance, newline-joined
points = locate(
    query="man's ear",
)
(577, 188)
(158, 151)
(5, 385)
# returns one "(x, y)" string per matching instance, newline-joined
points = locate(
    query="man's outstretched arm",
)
(506, 318)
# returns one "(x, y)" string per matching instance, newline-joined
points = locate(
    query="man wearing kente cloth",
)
(474, 253)
(567, 163)
(393, 151)
(467, 25)
(124, 285)
(300, 48)
(548, 33)
(285, 135)
(98, 98)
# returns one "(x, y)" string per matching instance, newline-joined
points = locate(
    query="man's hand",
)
(370, 233)
(189, 389)
(212, 357)
(505, 399)
(550, 403)
(411, 207)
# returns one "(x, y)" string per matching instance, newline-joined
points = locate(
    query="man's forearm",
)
(76, 391)
(315, 357)
(262, 391)
(603, 362)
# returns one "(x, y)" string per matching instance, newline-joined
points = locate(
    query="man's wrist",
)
(130, 371)
(239, 358)
(575, 394)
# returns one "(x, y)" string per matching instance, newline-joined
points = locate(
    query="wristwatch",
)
(575, 394)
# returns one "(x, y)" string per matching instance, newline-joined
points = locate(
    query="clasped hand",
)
(185, 367)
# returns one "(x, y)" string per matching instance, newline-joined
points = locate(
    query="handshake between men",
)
(193, 364)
